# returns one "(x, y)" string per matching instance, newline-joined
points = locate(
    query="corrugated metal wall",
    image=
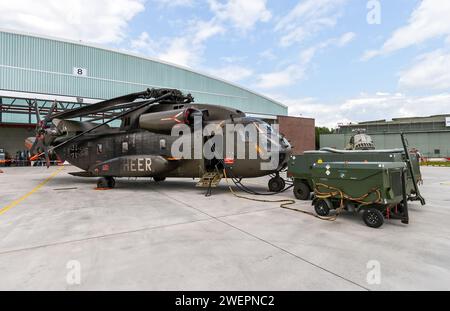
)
(430, 144)
(431, 124)
(33, 64)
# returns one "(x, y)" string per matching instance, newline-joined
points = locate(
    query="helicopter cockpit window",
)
(124, 147)
(246, 135)
(264, 127)
(274, 138)
(286, 142)
(99, 148)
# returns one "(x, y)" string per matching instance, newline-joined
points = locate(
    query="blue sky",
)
(338, 61)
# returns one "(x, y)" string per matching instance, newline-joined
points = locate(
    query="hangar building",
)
(41, 69)
(429, 135)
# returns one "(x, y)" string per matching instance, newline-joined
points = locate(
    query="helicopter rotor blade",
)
(98, 107)
(34, 145)
(38, 114)
(142, 105)
(39, 143)
(47, 157)
(111, 104)
(48, 117)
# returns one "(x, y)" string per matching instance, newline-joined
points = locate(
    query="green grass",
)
(445, 164)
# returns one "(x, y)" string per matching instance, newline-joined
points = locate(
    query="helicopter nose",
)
(285, 153)
(285, 146)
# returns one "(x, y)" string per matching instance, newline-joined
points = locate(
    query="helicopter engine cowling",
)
(163, 122)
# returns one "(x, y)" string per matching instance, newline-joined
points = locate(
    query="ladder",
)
(209, 180)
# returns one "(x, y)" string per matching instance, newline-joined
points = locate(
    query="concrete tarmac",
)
(58, 233)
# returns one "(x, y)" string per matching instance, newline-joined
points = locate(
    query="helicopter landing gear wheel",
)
(159, 179)
(106, 183)
(276, 184)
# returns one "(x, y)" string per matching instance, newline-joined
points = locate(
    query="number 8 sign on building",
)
(80, 72)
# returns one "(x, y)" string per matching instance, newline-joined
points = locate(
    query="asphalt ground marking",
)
(37, 188)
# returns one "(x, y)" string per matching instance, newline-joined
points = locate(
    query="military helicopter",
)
(142, 145)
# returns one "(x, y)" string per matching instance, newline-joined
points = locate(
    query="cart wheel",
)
(373, 218)
(321, 207)
(302, 191)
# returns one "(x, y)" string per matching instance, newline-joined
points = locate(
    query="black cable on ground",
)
(285, 202)
(243, 188)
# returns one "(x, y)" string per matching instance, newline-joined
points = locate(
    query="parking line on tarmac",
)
(16, 202)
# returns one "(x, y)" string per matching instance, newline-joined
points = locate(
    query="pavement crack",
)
(268, 242)
(100, 236)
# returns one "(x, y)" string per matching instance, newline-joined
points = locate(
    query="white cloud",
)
(429, 20)
(369, 54)
(310, 107)
(243, 14)
(175, 3)
(432, 71)
(232, 73)
(346, 39)
(202, 30)
(285, 77)
(307, 18)
(233, 59)
(297, 71)
(100, 21)
(268, 55)
(180, 52)
(367, 107)
(292, 73)
(186, 49)
(144, 43)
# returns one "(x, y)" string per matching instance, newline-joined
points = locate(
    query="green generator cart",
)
(300, 167)
(377, 189)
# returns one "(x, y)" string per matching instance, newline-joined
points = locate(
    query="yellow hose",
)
(284, 205)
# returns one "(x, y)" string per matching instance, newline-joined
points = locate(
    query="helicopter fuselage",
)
(147, 143)
(141, 153)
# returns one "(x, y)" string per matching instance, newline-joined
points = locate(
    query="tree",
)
(321, 131)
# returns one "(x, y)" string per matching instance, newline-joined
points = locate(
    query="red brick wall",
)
(300, 132)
